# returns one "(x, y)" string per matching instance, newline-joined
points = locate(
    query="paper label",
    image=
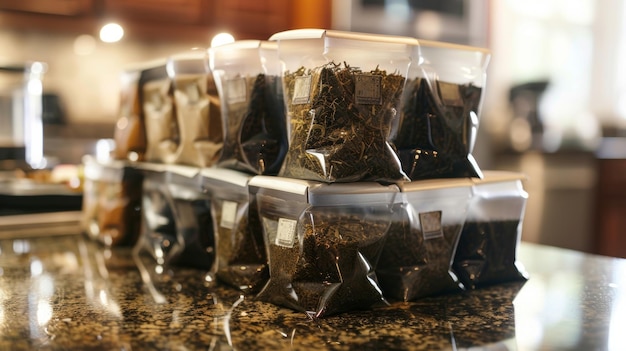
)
(286, 232)
(367, 89)
(236, 90)
(450, 94)
(229, 214)
(431, 225)
(301, 90)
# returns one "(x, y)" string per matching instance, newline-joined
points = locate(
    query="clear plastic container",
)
(342, 92)
(130, 130)
(192, 216)
(197, 107)
(323, 242)
(111, 209)
(441, 111)
(248, 78)
(157, 100)
(487, 250)
(416, 260)
(240, 260)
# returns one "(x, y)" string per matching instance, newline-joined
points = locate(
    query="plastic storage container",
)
(192, 216)
(197, 107)
(248, 77)
(157, 102)
(416, 260)
(111, 208)
(441, 111)
(323, 242)
(487, 250)
(130, 130)
(342, 92)
(240, 257)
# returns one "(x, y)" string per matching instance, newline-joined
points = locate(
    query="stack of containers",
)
(346, 175)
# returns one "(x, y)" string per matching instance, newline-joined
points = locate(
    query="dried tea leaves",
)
(340, 120)
(437, 129)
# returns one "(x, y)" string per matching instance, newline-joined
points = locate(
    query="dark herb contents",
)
(241, 259)
(195, 230)
(327, 267)
(486, 253)
(255, 139)
(416, 263)
(437, 129)
(341, 118)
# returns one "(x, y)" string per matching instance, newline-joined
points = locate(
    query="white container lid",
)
(216, 177)
(193, 61)
(453, 63)
(324, 194)
(497, 176)
(241, 52)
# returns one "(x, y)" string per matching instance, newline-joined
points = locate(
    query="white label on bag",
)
(286, 232)
(367, 89)
(301, 90)
(229, 214)
(236, 90)
(431, 225)
(450, 94)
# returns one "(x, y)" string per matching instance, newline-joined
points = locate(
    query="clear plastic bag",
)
(197, 109)
(342, 92)
(247, 74)
(111, 209)
(130, 132)
(240, 257)
(487, 250)
(323, 247)
(440, 111)
(417, 257)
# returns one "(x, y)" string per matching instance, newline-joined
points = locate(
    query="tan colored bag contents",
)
(160, 120)
(130, 134)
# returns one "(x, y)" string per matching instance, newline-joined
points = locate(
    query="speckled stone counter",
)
(67, 293)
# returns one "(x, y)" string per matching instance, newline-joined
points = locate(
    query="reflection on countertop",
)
(67, 292)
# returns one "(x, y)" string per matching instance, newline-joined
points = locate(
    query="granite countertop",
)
(68, 293)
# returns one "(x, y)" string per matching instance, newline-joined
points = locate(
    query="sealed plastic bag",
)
(342, 92)
(130, 133)
(323, 242)
(248, 78)
(111, 209)
(192, 217)
(487, 250)
(162, 132)
(417, 257)
(240, 257)
(197, 109)
(440, 111)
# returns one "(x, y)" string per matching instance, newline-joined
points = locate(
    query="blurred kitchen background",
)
(555, 105)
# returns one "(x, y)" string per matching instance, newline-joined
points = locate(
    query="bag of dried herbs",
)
(240, 257)
(342, 92)
(440, 111)
(111, 209)
(247, 74)
(192, 215)
(323, 242)
(162, 132)
(198, 110)
(416, 260)
(130, 132)
(158, 243)
(487, 250)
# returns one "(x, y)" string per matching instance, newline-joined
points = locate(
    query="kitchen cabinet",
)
(166, 20)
